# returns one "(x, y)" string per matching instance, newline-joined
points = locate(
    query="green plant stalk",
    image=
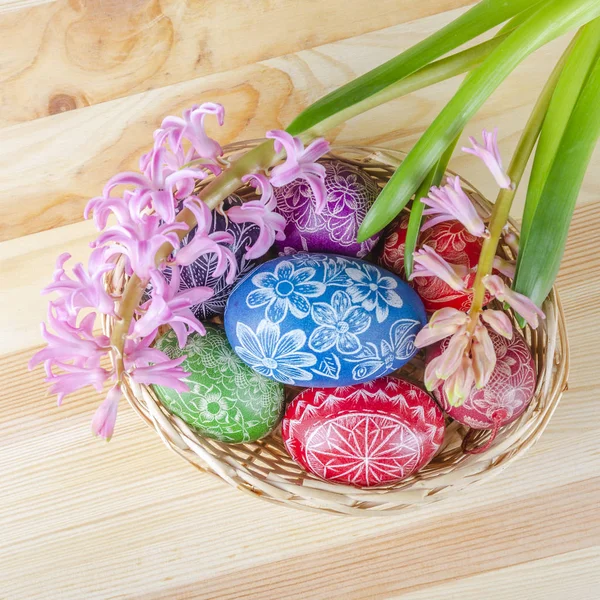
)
(477, 20)
(520, 18)
(551, 20)
(563, 100)
(434, 177)
(545, 244)
(501, 210)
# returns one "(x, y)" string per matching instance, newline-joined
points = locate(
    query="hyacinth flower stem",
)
(259, 158)
(505, 198)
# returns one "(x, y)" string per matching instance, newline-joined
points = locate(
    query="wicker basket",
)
(265, 469)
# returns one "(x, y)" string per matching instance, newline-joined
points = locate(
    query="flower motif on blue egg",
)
(339, 323)
(323, 320)
(287, 288)
(374, 291)
(268, 352)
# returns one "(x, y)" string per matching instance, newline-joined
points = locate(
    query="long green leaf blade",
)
(477, 20)
(572, 79)
(543, 250)
(551, 20)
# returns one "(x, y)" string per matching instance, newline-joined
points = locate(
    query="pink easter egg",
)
(508, 392)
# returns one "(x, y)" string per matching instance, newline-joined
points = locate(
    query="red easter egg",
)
(453, 243)
(366, 434)
(508, 392)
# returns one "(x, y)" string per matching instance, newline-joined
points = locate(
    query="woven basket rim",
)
(263, 468)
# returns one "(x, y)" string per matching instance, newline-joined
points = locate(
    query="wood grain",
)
(129, 520)
(98, 50)
(81, 150)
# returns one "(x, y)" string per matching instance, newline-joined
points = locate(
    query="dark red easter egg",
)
(508, 392)
(453, 243)
(366, 434)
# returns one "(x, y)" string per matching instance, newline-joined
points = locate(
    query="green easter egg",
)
(227, 400)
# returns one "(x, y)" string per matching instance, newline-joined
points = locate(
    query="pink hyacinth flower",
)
(131, 207)
(164, 186)
(458, 386)
(445, 365)
(167, 373)
(140, 241)
(75, 377)
(483, 356)
(139, 353)
(498, 321)
(430, 378)
(261, 213)
(505, 267)
(141, 359)
(450, 360)
(170, 306)
(67, 342)
(511, 240)
(519, 302)
(103, 423)
(428, 263)
(86, 290)
(450, 203)
(204, 242)
(191, 128)
(300, 163)
(490, 155)
(443, 323)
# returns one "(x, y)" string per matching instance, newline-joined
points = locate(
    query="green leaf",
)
(543, 250)
(568, 88)
(520, 18)
(551, 20)
(434, 72)
(477, 20)
(434, 177)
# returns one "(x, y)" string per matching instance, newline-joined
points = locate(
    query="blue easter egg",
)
(323, 320)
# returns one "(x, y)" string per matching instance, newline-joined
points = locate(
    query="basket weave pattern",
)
(264, 468)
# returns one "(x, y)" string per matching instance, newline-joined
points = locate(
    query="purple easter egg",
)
(199, 273)
(350, 194)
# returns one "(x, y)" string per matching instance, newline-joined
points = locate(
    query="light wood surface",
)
(82, 519)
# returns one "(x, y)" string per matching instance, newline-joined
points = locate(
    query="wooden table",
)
(84, 83)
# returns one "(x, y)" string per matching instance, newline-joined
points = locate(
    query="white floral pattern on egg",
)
(317, 319)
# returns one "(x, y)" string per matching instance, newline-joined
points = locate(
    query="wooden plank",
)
(63, 55)
(84, 519)
(54, 165)
(134, 511)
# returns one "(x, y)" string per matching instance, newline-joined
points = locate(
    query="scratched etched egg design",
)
(453, 243)
(508, 392)
(365, 435)
(350, 193)
(227, 400)
(319, 319)
(199, 273)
